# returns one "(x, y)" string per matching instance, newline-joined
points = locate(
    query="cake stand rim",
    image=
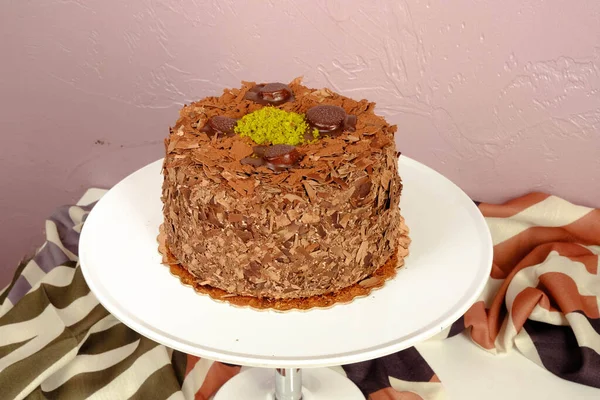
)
(275, 361)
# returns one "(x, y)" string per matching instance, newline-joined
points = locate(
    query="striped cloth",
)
(58, 342)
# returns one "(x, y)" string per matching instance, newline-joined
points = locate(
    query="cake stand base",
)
(317, 384)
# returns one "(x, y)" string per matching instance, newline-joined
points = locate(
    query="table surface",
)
(467, 372)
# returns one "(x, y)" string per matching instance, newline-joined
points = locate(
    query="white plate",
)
(449, 264)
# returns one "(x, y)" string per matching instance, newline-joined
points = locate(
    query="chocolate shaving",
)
(233, 218)
(363, 188)
(368, 259)
(371, 282)
(244, 235)
(240, 150)
(349, 123)
(335, 217)
(310, 191)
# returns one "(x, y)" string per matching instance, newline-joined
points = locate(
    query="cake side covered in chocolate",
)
(276, 221)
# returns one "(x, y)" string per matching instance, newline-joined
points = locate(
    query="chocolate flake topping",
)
(240, 219)
(363, 187)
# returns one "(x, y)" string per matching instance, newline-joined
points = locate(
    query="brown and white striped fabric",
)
(58, 342)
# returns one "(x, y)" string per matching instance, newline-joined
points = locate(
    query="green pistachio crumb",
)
(270, 125)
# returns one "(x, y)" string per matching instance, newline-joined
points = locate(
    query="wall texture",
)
(502, 97)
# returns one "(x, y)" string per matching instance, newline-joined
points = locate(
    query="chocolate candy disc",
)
(326, 118)
(276, 157)
(275, 92)
(277, 150)
(281, 154)
(223, 124)
(330, 120)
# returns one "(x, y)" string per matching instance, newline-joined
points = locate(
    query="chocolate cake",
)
(279, 191)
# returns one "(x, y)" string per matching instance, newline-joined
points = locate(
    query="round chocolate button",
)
(282, 154)
(221, 124)
(275, 92)
(326, 117)
(278, 150)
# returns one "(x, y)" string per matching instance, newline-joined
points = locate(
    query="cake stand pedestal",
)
(289, 384)
(448, 266)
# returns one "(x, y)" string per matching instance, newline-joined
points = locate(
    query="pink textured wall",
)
(501, 96)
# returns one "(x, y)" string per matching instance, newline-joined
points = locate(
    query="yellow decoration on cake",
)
(270, 125)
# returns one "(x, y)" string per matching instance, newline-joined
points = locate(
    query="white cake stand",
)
(449, 264)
